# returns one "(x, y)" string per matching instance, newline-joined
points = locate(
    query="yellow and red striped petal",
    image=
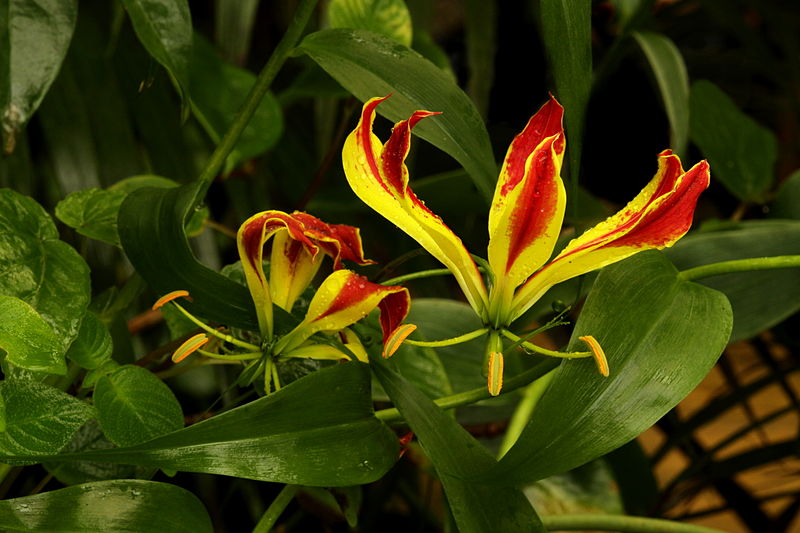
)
(292, 267)
(343, 299)
(339, 241)
(379, 177)
(660, 215)
(251, 237)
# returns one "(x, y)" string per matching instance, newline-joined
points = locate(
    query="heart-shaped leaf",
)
(27, 339)
(92, 347)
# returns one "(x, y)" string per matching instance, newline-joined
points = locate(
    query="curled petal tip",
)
(169, 297)
(396, 338)
(598, 354)
(191, 345)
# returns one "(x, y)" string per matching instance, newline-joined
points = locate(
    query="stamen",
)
(495, 382)
(543, 351)
(193, 344)
(449, 342)
(396, 339)
(599, 354)
(169, 297)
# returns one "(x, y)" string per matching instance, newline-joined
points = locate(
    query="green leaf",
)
(233, 28)
(119, 505)
(669, 71)
(369, 65)
(35, 40)
(759, 299)
(151, 231)
(456, 455)
(741, 151)
(787, 200)
(27, 339)
(386, 17)
(588, 489)
(134, 406)
(567, 33)
(40, 420)
(218, 91)
(92, 213)
(481, 48)
(661, 336)
(319, 430)
(164, 27)
(38, 268)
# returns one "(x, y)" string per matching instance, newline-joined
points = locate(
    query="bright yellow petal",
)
(343, 299)
(379, 177)
(291, 269)
(660, 215)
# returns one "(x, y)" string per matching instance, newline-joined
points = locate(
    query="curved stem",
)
(275, 509)
(233, 357)
(448, 342)
(740, 265)
(544, 351)
(215, 333)
(621, 523)
(482, 393)
(260, 88)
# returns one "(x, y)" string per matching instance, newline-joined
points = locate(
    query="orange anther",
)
(193, 344)
(169, 297)
(598, 353)
(396, 339)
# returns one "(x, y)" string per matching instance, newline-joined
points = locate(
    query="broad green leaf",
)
(151, 231)
(35, 38)
(369, 65)
(588, 489)
(319, 431)
(38, 268)
(759, 299)
(28, 341)
(566, 27)
(218, 91)
(164, 27)
(481, 48)
(134, 406)
(387, 17)
(40, 420)
(741, 151)
(661, 336)
(787, 200)
(92, 213)
(669, 71)
(430, 50)
(456, 455)
(103, 506)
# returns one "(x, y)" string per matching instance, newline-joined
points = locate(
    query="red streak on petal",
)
(354, 290)
(365, 139)
(337, 240)
(545, 123)
(396, 149)
(394, 308)
(536, 205)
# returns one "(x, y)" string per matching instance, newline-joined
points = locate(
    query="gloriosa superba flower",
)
(342, 299)
(525, 220)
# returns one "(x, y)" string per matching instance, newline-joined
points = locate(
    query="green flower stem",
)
(449, 342)
(740, 265)
(544, 351)
(253, 100)
(621, 523)
(544, 366)
(416, 275)
(275, 509)
(234, 357)
(215, 333)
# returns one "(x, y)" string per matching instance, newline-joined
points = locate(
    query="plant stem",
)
(449, 342)
(215, 333)
(253, 100)
(275, 509)
(482, 393)
(416, 275)
(544, 351)
(740, 265)
(621, 523)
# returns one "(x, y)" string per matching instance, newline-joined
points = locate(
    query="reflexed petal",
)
(250, 240)
(337, 240)
(528, 205)
(660, 215)
(378, 175)
(343, 299)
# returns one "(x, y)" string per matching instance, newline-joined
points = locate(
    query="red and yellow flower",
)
(526, 214)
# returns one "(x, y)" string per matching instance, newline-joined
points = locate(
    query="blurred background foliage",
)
(715, 79)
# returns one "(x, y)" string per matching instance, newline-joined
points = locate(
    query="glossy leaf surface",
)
(92, 347)
(35, 37)
(741, 151)
(370, 65)
(456, 455)
(669, 71)
(661, 336)
(39, 419)
(27, 340)
(134, 406)
(319, 430)
(759, 299)
(119, 505)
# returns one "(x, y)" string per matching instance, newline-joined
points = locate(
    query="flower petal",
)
(529, 201)
(659, 215)
(292, 267)
(339, 241)
(250, 240)
(378, 175)
(343, 299)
